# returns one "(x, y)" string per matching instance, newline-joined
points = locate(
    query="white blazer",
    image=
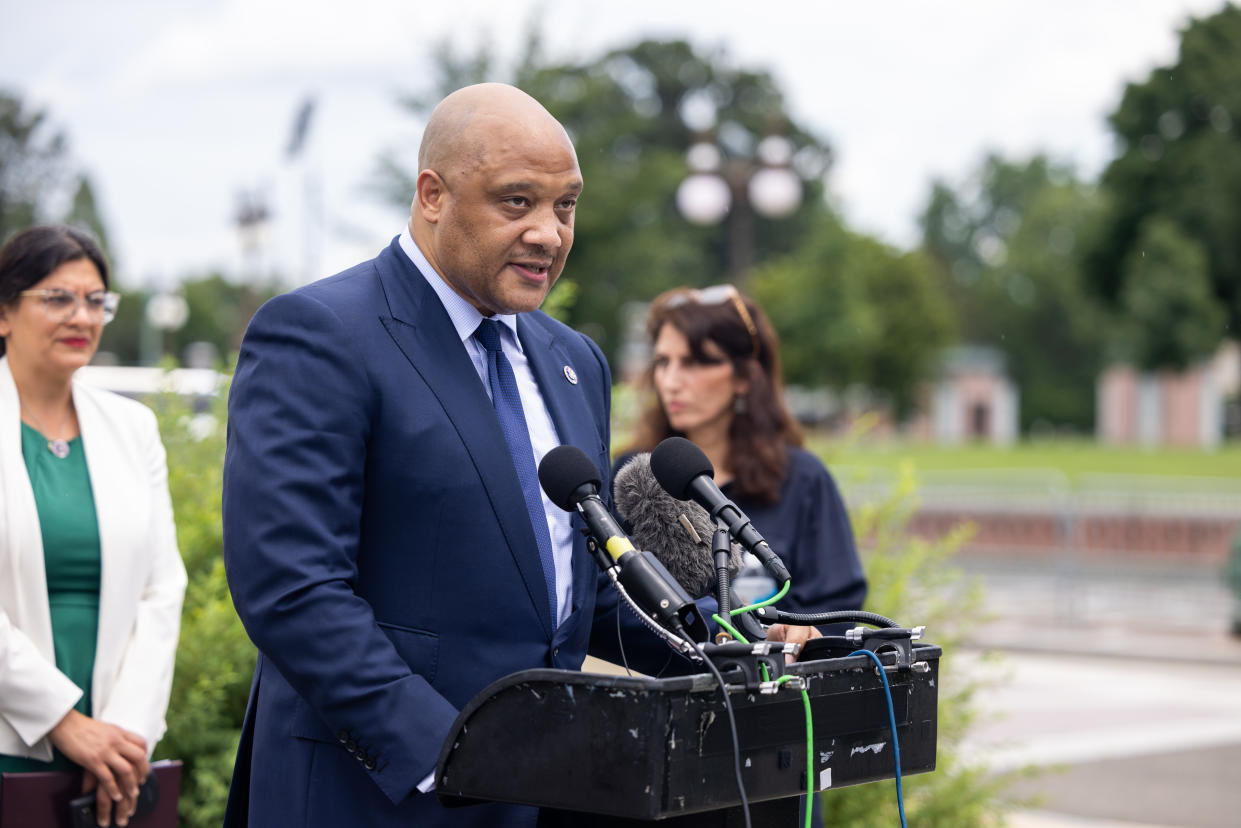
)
(141, 588)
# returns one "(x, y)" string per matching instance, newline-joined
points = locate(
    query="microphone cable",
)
(826, 618)
(814, 619)
(680, 641)
(732, 729)
(766, 602)
(896, 745)
(805, 697)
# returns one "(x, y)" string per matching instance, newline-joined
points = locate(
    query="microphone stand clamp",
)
(737, 660)
(897, 639)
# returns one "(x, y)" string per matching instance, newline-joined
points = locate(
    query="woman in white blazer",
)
(91, 582)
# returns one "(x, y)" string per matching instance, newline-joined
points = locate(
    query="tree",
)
(219, 311)
(851, 310)
(1008, 247)
(1181, 163)
(1169, 316)
(37, 182)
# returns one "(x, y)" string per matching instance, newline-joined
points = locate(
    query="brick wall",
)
(1198, 540)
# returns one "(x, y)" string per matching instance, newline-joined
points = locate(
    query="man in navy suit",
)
(379, 544)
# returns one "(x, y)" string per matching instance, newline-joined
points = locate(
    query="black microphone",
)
(676, 532)
(686, 474)
(571, 481)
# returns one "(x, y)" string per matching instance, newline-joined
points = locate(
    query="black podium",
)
(631, 750)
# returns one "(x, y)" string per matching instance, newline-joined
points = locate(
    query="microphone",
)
(571, 481)
(676, 532)
(686, 474)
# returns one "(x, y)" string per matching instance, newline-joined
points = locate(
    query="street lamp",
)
(253, 221)
(163, 314)
(732, 178)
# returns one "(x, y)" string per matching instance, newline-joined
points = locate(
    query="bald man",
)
(386, 547)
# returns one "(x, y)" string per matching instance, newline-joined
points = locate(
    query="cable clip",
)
(897, 639)
(789, 682)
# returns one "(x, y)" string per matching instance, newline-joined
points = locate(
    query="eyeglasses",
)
(718, 295)
(61, 305)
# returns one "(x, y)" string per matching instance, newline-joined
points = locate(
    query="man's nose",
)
(544, 230)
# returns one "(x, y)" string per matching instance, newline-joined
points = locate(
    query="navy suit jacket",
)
(377, 545)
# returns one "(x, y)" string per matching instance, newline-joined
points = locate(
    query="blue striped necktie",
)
(507, 401)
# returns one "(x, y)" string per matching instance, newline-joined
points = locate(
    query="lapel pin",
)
(570, 374)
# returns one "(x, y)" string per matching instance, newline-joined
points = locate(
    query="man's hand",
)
(794, 634)
(115, 760)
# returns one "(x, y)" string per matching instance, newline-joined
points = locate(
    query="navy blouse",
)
(808, 527)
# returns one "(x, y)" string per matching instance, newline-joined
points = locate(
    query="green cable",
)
(768, 602)
(728, 628)
(805, 698)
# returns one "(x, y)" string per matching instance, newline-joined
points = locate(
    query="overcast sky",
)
(176, 106)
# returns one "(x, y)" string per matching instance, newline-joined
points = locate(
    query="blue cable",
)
(896, 745)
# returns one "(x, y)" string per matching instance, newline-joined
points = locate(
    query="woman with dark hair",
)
(715, 374)
(91, 582)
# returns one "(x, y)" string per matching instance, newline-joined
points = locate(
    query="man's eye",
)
(60, 300)
(95, 301)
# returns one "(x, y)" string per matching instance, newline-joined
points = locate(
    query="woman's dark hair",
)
(762, 428)
(32, 254)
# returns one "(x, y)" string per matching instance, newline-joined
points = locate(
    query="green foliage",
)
(1170, 318)
(219, 310)
(215, 659)
(122, 336)
(851, 310)
(914, 581)
(1008, 242)
(559, 303)
(1181, 160)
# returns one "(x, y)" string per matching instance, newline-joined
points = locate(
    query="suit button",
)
(369, 764)
(342, 736)
(556, 651)
(351, 746)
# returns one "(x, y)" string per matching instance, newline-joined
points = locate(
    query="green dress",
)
(66, 507)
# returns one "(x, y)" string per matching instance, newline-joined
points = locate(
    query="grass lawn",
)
(1070, 457)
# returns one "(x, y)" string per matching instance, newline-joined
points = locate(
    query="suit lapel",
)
(19, 524)
(421, 329)
(115, 487)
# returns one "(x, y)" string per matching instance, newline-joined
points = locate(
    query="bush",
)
(914, 582)
(215, 659)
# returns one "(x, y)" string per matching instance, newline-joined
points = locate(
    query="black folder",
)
(42, 798)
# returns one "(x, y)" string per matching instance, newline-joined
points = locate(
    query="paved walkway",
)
(1127, 684)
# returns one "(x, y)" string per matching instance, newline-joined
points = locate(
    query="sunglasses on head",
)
(718, 295)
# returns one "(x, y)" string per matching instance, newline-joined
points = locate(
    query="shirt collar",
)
(465, 317)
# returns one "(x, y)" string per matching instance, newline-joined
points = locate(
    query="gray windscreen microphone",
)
(677, 532)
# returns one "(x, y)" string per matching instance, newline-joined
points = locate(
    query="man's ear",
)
(429, 196)
(5, 327)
